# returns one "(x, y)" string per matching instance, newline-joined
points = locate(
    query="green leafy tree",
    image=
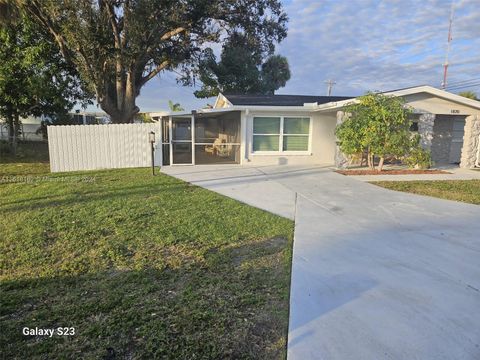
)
(60, 118)
(120, 45)
(34, 78)
(9, 11)
(377, 124)
(468, 94)
(144, 118)
(175, 106)
(275, 73)
(244, 67)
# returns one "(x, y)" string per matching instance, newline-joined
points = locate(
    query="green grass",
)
(141, 266)
(459, 190)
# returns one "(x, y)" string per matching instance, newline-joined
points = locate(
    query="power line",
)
(463, 82)
(465, 87)
(458, 87)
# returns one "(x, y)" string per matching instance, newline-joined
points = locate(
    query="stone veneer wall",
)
(425, 129)
(471, 141)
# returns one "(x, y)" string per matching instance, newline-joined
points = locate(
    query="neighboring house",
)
(89, 118)
(293, 129)
(30, 126)
(155, 116)
(28, 129)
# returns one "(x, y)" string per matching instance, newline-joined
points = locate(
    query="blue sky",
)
(362, 45)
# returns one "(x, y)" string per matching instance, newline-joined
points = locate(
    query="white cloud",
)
(363, 45)
(367, 45)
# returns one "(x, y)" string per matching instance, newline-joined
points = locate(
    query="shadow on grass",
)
(27, 152)
(86, 195)
(230, 303)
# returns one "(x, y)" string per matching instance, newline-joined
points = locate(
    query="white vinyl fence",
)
(89, 147)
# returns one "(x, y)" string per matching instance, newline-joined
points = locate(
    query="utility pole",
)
(330, 84)
(449, 40)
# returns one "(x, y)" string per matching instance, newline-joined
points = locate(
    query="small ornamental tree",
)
(379, 125)
(34, 79)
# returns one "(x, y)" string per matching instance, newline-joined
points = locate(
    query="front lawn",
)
(140, 266)
(459, 190)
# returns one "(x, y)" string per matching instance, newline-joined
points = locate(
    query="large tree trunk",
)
(123, 114)
(120, 103)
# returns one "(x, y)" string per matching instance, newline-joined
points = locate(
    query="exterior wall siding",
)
(435, 105)
(322, 142)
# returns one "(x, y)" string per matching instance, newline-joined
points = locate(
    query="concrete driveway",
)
(376, 274)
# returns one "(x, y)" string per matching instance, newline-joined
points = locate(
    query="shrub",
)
(378, 124)
(419, 158)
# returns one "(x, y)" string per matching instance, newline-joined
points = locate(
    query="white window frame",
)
(171, 142)
(280, 150)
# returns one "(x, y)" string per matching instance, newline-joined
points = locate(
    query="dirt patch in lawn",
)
(390, 172)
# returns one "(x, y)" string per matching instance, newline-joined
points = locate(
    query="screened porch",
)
(201, 138)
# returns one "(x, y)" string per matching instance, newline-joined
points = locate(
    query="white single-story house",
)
(294, 129)
(30, 126)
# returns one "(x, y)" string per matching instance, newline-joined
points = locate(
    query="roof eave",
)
(404, 92)
(273, 108)
(438, 92)
(224, 98)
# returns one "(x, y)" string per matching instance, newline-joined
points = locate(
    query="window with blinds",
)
(281, 134)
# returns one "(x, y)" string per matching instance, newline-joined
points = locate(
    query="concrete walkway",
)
(376, 274)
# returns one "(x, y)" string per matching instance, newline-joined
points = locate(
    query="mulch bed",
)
(390, 172)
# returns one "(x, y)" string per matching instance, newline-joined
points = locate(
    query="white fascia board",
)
(335, 105)
(178, 113)
(414, 90)
(216, 100)
(201, 111)
(219, 110)
(273, 108)
(220, 96)
(157, 113)
(437, 92)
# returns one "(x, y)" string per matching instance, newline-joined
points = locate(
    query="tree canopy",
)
(243, 68)
(469, 95)
(175, 106)
(119, 45)
(34, 78)
(378, 124)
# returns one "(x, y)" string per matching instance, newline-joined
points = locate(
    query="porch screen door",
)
(182, 141)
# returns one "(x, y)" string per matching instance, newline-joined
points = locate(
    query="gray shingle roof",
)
(281, 100)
